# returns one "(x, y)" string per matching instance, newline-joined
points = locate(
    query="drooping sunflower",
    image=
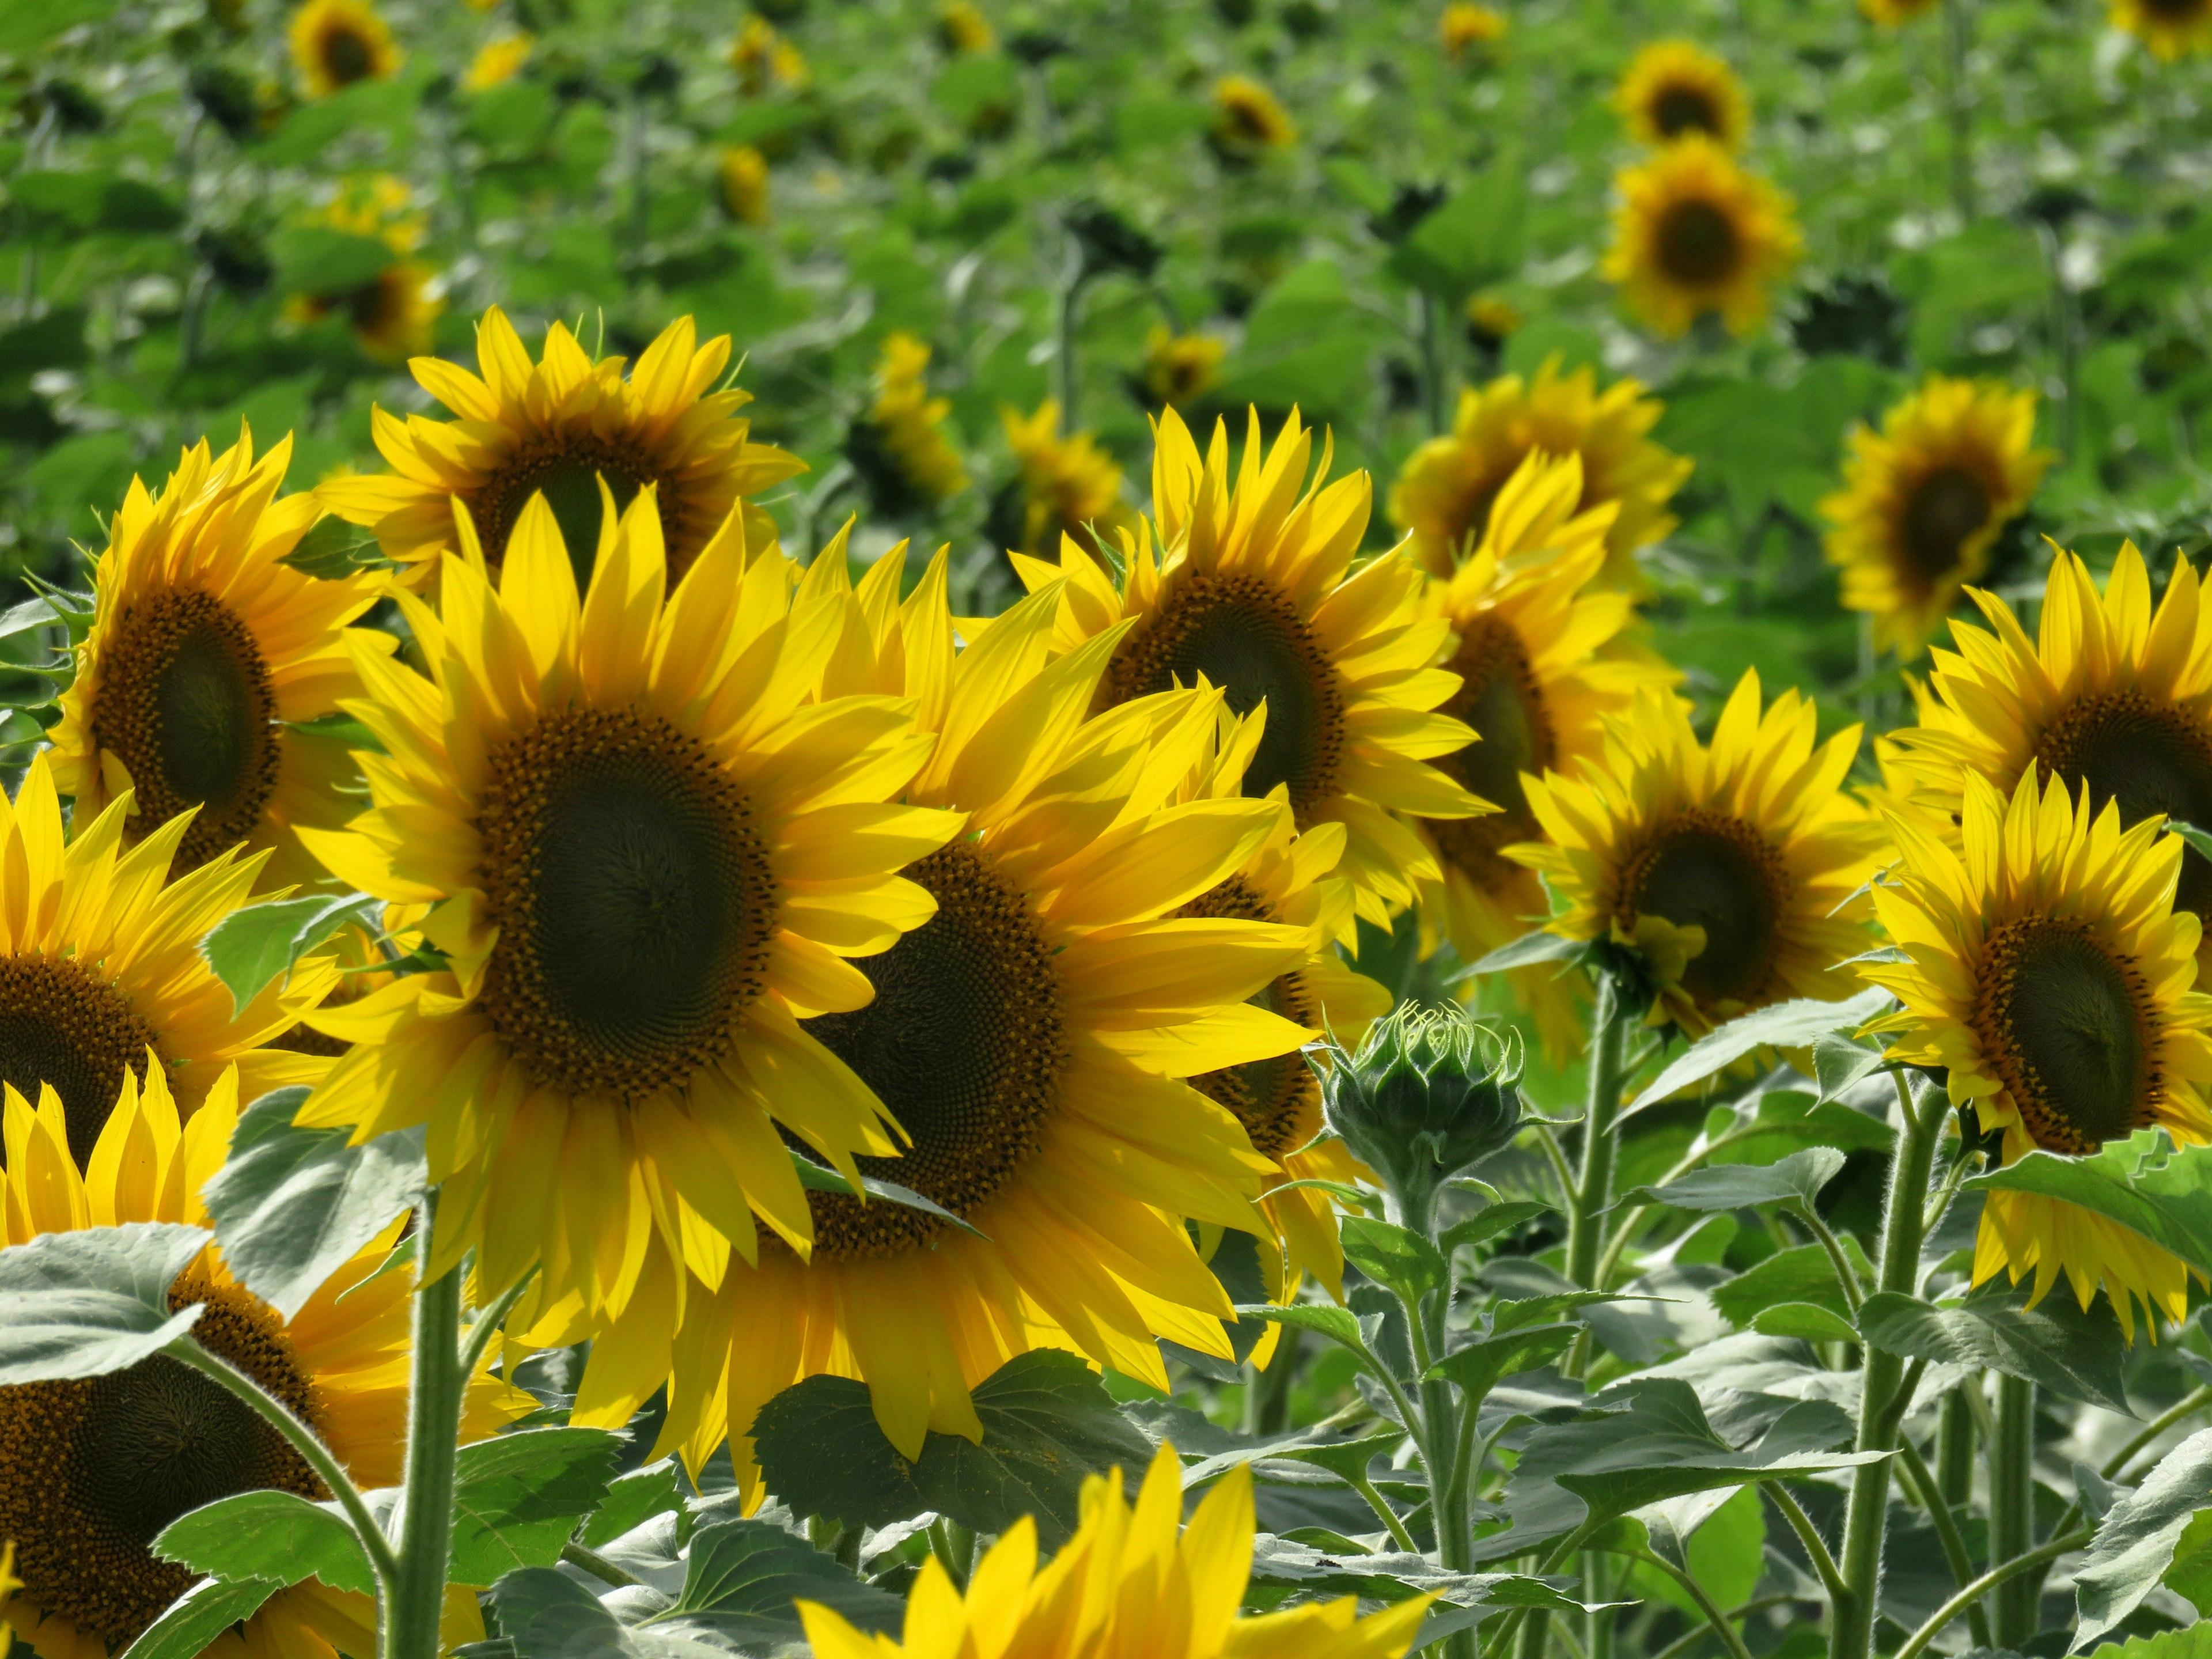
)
(1725, 867)
(1255, 591)
(742, 178)
(208, 657)
(1032, 1039)
(2113, 696)
(1676, 87)
(2052, 976)
(556, 428)
(1181, 367)
(900, 449)
(498, 61)
(1443, 493)
(1248, 120)
(2171, 28)
(1695, 234)
(650, 852)
(1925, 498)
(1068, 487)
(92, 1471)
(1537, 678)
(1131, 1584)
(337, 43)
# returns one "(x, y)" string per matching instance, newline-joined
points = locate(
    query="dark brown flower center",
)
(568, 474)
(1680, 109)
(1277, 1100)
(1698, 243)
(2150, 756)
(348, 56)
(1500, 697)
(2068, 1026)
(1945, 511)
(1708, 870)
(60, 1026)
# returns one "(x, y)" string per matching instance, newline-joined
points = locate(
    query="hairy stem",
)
(2011, 1508)
(434, 1424)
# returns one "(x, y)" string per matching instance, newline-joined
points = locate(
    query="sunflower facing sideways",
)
(2113, 697)
(1443, 493)
(1925, 498)
(1724, 867)
(1031, 1038)
(1131, 1584)
(92, 1471)
(649, 852)
(1676, 87)
(1255, 591)
(1536, 680)
(1695, 234)
(337, 43)
(556, 428)
(2051, 977)
(208, 660)
(2173, 29)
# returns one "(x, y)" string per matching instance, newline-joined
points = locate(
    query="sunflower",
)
(1536, 680)
(2051, 976)
(1723, 868)
(909, 427)
(1925, 498)
(2111, 696)
(1676, 87)
(556, 428)
(1696, 233)
(1179, 368)
(1895, 14)
(742, 177)
(1131, 1584)
(963, 29)
(1492, 319)
(1465, 26)
(1032, 1039)
(1068, 486)
(92, 1471)
(392, 315)
(498, 61)
(208, 659)
(1256, 593)
(1249, 121)
(337, 43)
(1443, 493)
(650, 852)
(2171, 28)
(763, 60)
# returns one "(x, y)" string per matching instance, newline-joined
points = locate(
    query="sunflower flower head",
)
(209, 660)
(962, 30)
(497, 62)
(1181, 367)
(338, 43)
(391, 315)
(1444, 494)
(1896, 13)
(1676, 87)
(1131, 1584)
(1492, 319)
(764, 60)
(1248, 120)
(1068, 486)
(1925, 497)
(2052, 977)
(1723, 868)
(1695, 234)
(1428, 1092)
(909, 425)
(2173, 29)
(557, 427)
(1464, 29)
(742, 178)
(96, 1468)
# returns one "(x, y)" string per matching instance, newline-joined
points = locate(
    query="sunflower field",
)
(1105, 829)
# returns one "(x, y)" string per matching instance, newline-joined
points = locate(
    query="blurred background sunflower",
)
(1696, 236)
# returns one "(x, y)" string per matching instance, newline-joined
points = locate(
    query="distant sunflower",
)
(92, 1471)
(1248, 120)
(764, 59)
(392, 314)
(2050, 976)
(1722, 867)
(1131, 1584)
(208, 655)
(1179, 368)
(1031, 1038)
(1895, 14)
(1443, 493)
(1541, 666)
(1068, 486)
(906, 427)
(498, 62)
(650, 853)
(337, 43)
(962, 29)
(1465, 26)
(1255, 590)
(2171, 28)
(1675, 89)
(2112, 696)
(1696, 233)
(742, 177)
(1925, 498)
(556, 428)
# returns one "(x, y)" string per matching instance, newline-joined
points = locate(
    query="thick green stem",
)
(1954, 1447)
(1267, 1397)
(2011, 1508)
(433, 1424)
(1851, 1625)
(1438, 1432)
(1593, 1189)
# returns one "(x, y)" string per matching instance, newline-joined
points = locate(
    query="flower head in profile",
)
(963, 29)
(1180, 368)
(498, 62)
(1675, 89)
(1465, 28)
(1248, 120)
(338, 43)
(742, 177)
(900, 447)
(764, 59)
(1695, 235)
(1068, 486)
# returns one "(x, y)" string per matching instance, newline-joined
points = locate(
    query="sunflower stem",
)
(1852, 1621)
(433, 1425)
(1593, 1189)
(2012, 1512)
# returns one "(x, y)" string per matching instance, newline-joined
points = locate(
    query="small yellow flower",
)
(745, 185)
(962, 28)
(337, 43)
(1493, 317)
(1676, 87)
(1248, 120)
(376, 204)
(912, 422)
(764, 59)
(1464, 25)
(1695, 234)
(2171, 28)
(1181, 367)
(500, 61)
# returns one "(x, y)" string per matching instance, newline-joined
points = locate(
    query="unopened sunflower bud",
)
(1428, 1092)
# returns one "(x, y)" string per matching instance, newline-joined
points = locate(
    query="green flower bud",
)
(1430, 1092)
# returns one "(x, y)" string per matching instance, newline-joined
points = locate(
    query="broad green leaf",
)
(1806, 1321)
(1392, 1254)
(190, 1624)
(1477, 1367)
(1803, 1274)
(1785, 1026)
(334, 549)
(517, 1497)
(1524, 952)
(249, 948)
(2136, 1545)
(1489, 1224)
(1839, 1062)
(2190, 1575)
(1477, 236)
(24, 29)
(278, 1537)
(635, 1498)
(293, 1204)
(1788, 1121)
(822, 1179)
(545, 1614)
(1520, 1313)
(1393, 1577)
(2054, 1346)
(742, 1577)
(2190, 1642)
(1339, 1325)
(1047, 1422)
(316, 259)
(1724, 1553)
(85, 1304)
(22, 617)
(1796, 1179)
(2142, 1182)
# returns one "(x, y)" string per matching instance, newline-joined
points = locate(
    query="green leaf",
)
(2199, 839)
(2190, 1642)
(822, 1179)
(2054, 1346)
(1796, 1179)
(334, 549)
(636, 1498)
(1487, 1224)
(190, 1624)
(249, 948)
(1393, 1577)
(1338, 1325)
(1047, 1422)
(341, 729)
(1477, 1367)
(1801, 1275)
(2135, 1545)
(22, 617)
(1394, 1256)
(24, 29)
(2142, 1182)
(1785, 1026)
(316, 259)
(276, 1537)
(545, 1614)
(1838, 1061)
(1524, 952)
(743, 1576)
(1806, 1321)
(2190, 1575)
(517, 1497)
(293, 1204)
(1478, 236)
(84, 1303)
(1725, 1552)
(1522, 1312)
